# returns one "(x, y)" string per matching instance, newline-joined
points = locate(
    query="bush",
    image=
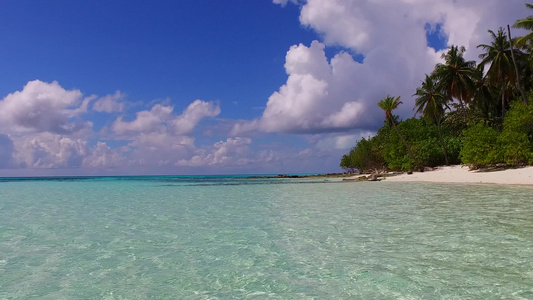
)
(453, 145)
(366, 155)
(517, 136)
(481, 146)
(423, 138)
(515, 148)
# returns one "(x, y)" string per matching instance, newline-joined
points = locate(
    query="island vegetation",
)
(474, 113)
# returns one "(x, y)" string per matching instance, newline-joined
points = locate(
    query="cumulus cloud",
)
(51, 151)
(159, 137)
(233, 151)
(145, 121)
(159, 149)
(334, 95)
(48, 150)
(340, 94)
(161, 119)
(195, 112)
(330, 99)
(41, 127)
(110, 103)
(284, 2)
(339, 142)
(6, 151)
(102, 156)
(43, 107)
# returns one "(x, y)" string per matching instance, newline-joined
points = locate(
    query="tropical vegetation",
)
(469, 112)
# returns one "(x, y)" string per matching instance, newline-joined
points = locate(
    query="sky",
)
(216, 87)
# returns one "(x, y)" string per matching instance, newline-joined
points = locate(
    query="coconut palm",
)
(431, 104)
(455, 76)
(501, 72)
(526, 24)
(525, 42)
(388, 104)
(485, 97)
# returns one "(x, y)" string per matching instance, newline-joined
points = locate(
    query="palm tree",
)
(388, 104)
(526, 24)
(498, 55)
(485, 97)
(518, 84)
(455, 76)
(432, 104)
(525, 42)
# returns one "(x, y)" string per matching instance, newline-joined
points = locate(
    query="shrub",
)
(516, 139)
(422, 136)
(481, 146)
(364, 156)
(515, 148)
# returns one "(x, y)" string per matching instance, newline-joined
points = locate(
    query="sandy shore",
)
(461, 174)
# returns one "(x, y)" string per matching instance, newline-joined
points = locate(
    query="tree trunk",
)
(503, 102)
(420, 168)
(516, 68)
(443, 144)
(463, 108)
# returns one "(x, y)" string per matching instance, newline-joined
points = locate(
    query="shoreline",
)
(462, 174)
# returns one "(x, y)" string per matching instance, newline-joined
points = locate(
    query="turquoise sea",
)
(234, 238)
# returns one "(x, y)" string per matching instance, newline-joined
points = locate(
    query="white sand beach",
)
(461, 174)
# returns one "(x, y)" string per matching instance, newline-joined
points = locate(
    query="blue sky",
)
(213, 87)
(179, 49)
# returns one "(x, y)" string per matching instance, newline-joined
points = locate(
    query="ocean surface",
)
(219, 237)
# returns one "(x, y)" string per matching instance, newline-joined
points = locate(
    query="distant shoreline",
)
(280, 176)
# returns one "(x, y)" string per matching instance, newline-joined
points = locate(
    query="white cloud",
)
(195, 112)
(160, 119)
(110, 103)
(284, 2)
(48, 150)
(43, 107)
(52, 151)
(145, 121)
(340, 142)
(42, 126)
(232, 152)
(341, 94)
(159, 149)
(102, 156)
(6, 151)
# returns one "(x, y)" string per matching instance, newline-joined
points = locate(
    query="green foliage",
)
(346, 163)
(423, 139)
(386, 149)
(429, 101)
(515, 148)
(455, 76)
(455, 121)
(466, 108)
(484, 145)
(481, 146)
(453, 145)
(520, 118)
(365, 156)
(516, 139)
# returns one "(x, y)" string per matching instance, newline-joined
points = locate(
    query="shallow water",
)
(234, 238)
